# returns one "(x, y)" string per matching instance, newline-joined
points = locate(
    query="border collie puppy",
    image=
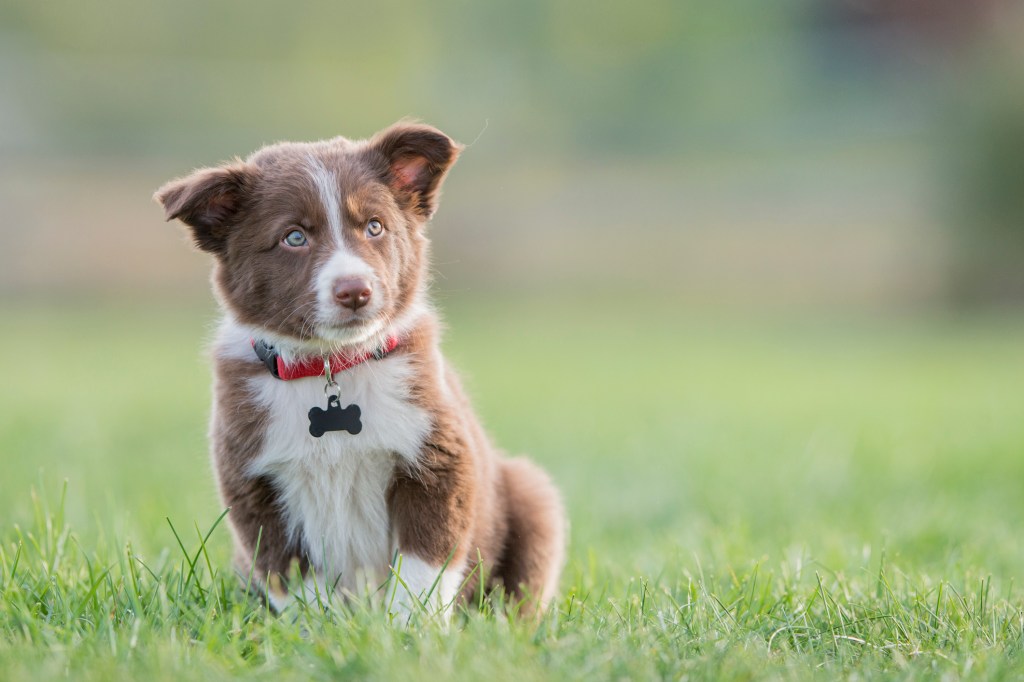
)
(342, 441)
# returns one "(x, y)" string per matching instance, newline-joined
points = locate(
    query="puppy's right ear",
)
(209, 201)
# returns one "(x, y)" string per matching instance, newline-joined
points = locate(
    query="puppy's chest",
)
(333, 488)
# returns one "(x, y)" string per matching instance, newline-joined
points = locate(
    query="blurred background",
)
(803, 152)
(783, 241)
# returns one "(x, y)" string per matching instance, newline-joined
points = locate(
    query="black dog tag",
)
(334, 418)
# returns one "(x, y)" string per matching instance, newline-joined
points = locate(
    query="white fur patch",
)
(422, 585)
(327, 187)
(343, 264)
(333, 488)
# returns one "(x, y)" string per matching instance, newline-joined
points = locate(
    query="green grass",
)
(751, 498)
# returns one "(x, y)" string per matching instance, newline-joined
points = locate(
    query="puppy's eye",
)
(374, 228)
(294, 238)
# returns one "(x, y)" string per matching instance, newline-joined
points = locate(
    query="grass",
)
(751, 497)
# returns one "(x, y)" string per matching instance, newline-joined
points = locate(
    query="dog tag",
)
(334, 418)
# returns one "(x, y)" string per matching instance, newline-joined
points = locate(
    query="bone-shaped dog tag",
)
(334, 418)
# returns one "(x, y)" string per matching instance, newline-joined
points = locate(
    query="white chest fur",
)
(333, 488)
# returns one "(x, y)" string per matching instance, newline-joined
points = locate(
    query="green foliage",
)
(750, 499)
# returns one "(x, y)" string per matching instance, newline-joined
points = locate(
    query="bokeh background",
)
(724, 267)
(832, 153)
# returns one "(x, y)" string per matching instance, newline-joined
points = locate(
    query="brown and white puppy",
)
(319, 250)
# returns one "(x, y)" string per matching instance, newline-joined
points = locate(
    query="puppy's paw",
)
(418, 589)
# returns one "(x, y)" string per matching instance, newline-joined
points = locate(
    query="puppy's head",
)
(321, 244)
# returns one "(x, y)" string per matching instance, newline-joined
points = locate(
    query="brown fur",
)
(459, 499)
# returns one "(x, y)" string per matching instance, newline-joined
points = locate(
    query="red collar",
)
(314, 366)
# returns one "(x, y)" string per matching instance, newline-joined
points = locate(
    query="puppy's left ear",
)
(414, 160)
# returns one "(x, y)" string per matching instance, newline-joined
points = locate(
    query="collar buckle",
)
(266, 353)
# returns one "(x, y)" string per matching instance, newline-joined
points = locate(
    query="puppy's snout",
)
(352, 293)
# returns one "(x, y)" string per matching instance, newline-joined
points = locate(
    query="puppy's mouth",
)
(348, 321)
(336, 317)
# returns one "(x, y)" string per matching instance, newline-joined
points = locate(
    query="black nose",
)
(352, 293)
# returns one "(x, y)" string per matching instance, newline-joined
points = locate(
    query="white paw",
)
(419, 587)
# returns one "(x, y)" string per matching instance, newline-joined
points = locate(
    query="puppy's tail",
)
(537, 533)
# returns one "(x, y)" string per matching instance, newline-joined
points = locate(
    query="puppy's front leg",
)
(431, 507)
(264, 549)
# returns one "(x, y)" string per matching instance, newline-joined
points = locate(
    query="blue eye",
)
(374, 228)
(295, 238)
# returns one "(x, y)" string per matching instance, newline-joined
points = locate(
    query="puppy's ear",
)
(414, 159)
(208, 201)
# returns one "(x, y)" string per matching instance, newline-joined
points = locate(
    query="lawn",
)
(752, 496)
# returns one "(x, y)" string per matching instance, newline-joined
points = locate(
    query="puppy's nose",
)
(352, 293)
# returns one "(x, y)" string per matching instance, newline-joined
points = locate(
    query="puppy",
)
(342, 441)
